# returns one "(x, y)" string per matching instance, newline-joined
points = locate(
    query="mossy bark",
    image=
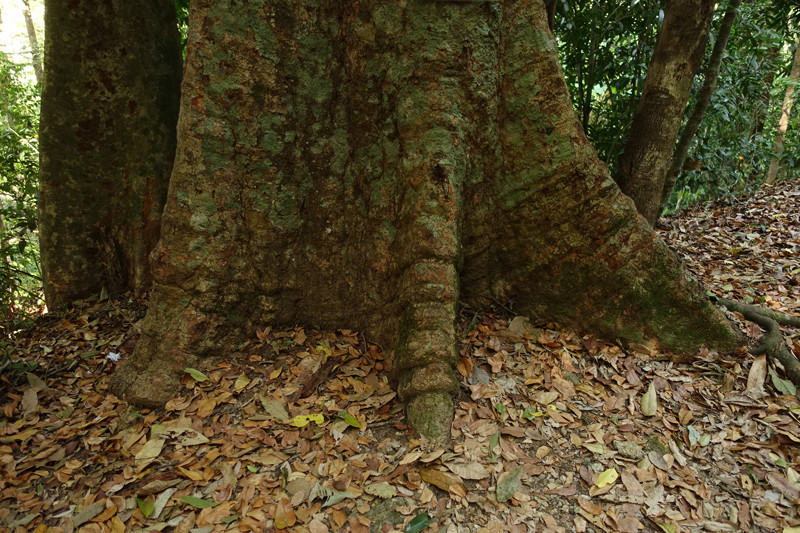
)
(367, 165)
(107, 141)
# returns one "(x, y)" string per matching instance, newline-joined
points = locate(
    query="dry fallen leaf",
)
(469, 470)
(649, 403)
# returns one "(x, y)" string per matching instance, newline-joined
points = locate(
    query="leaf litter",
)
(299, 430)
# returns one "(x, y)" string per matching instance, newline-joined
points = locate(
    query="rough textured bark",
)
(368, 165)
(107, 141)
(36, 55)
(786, 113)
(703, 100)
(677, 56)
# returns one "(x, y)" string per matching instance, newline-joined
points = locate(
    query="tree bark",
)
(107, 141)
(676, 58)
(368, 165)
(783, 122)
(703, 100)
(36, 55)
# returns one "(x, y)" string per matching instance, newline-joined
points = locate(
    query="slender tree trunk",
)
(703, 100)
(677, 56)
(551, 14)
(34, 42)
(786, 113)
(369, 165)
(107, 142)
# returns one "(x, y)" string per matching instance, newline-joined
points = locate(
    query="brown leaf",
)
(107, 513)
(566, 388)
(464, 366)
(206, 407)
(628, 525)
(339, 517)
(439, 479)
(472, 470)
(29, 402)
(496, 362)
(784, 486)
(569, 490)
(284, 514)
(589, 507)
(117, 526)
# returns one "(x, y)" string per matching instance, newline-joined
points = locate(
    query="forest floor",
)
(549, 436)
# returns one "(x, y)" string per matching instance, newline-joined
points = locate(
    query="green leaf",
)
(705, 439)
(507, 486)
(594, 447)
(778, 460)
(350, 419)
(500, 408)
(252, 468)
(229, 519)
(198, 502)
(694, 436)
(782, 385)
(146, 507)
(530, 413)
(494, 442)
(418, 523)
(196, 374)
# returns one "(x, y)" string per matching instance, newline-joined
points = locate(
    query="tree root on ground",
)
(772, 342)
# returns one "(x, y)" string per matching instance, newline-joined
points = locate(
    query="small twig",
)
(18, 271)
(23, 139)
(495, 300)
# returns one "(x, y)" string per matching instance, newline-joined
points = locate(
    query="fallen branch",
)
(771, 343)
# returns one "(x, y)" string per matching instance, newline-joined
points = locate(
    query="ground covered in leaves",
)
(298, 430)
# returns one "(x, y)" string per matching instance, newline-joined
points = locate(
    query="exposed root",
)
(772, 342)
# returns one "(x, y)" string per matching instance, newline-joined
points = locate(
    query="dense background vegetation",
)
(19, 170)
(605, 50)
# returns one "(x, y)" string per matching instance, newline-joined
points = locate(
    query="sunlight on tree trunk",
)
(370, 165)
(36, 55)
(783, 122)
(677, 56)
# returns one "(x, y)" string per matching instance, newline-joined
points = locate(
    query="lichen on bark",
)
(367, 166)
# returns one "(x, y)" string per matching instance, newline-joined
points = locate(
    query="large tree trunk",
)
(703, 100)
(367, 165)
(783, 121)
(107, 141)
(677, 56)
